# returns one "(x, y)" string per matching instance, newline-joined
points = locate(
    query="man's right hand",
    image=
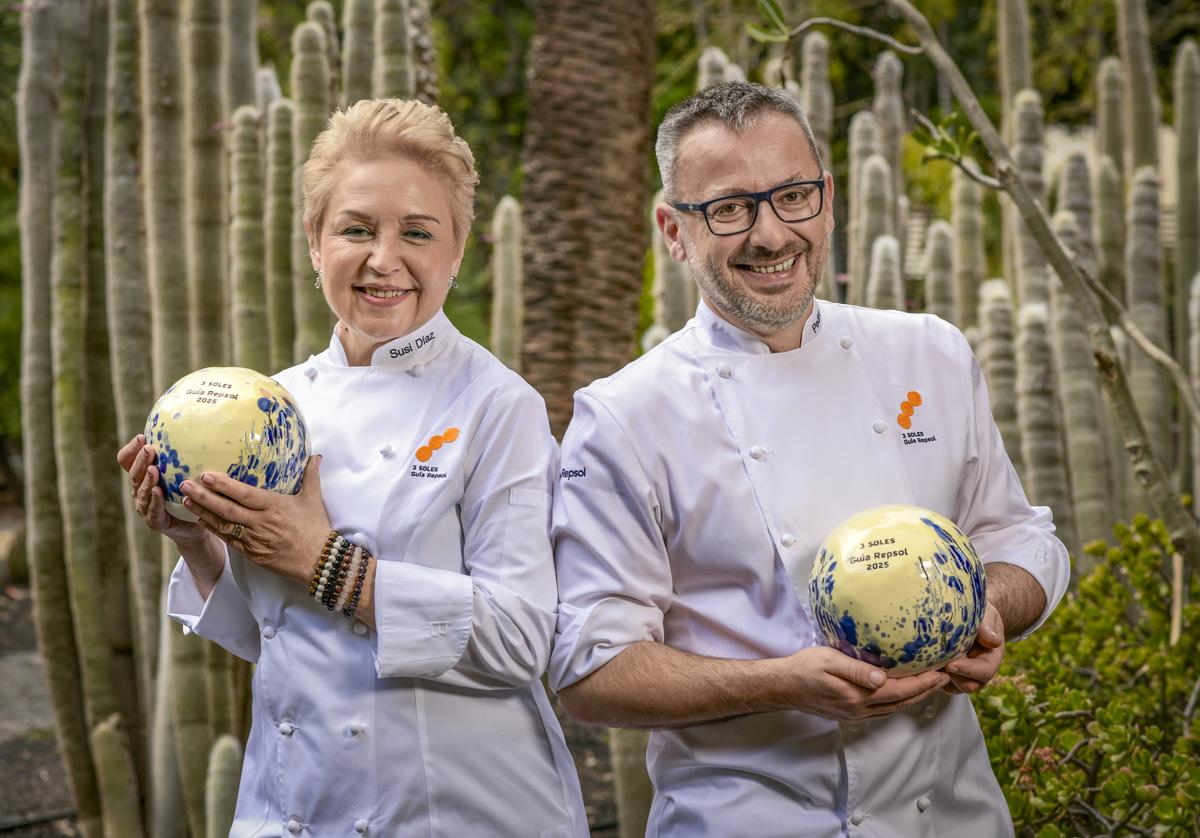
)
(827, 683)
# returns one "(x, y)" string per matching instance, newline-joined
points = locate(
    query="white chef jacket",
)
(436, 724)
(695, 487)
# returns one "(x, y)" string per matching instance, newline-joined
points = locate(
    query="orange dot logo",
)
(907, 408)
(425, 452)
(903, 421)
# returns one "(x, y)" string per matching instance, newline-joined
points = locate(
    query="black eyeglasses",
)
(792, 202)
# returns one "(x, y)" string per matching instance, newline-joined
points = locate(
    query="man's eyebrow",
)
(735, 190)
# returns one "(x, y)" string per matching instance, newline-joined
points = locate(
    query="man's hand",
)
(839, 687)
(970, 672)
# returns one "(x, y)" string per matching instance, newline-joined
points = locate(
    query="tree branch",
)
(958, 160)
(865, 31)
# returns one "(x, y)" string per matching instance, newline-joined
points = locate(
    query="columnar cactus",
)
(207, 213)
(267, 88)
(674, 291)
(1142, 109)
(863, 142)
(888, 107)
(310, 88)
(1110, 91)
(1194, 358)
(1042, 452)
(1082, 408)
(1118, 457)
(251, 340)
(885, 285)
(876, 216)
(1075, 196)
(1012, 24)
(221, 787)
(167, 798)
(997, 358)
(392, 75)
(278, 221)
(816, 91)
(424, 52)
(1187, 213)
(240, 51)
(118, 779)
(321, 12)
(1146, 301)
(970, 263)
(939, 271)
(1110, 227)
(508, 312)
(56, 639)
(711, 67)
(358, 50)
(634, 790)
(1033, 284)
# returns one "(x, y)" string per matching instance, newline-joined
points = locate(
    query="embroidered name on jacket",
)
(401, 351)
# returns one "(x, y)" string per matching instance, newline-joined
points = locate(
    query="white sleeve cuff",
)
(422, 619)
(1033, 547)
(590, 637)
(224, 618)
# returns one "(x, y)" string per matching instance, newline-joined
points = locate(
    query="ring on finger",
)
(237, 532)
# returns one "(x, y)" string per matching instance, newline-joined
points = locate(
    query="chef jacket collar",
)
(724, 335)
(418, 347)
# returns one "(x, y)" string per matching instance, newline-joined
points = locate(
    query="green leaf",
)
(770, 10)
(764, 37)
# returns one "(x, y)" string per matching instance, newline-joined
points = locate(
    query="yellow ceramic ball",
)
(900, 587)
(229, 420)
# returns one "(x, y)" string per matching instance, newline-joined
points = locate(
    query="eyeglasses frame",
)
(758, 198)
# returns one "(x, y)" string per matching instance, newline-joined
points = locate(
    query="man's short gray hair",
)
(735, 104)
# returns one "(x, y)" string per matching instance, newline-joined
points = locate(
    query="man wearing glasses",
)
(699, 481)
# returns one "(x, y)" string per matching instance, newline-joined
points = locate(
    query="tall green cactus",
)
(56, 639)
(207, 244)
(711, 67)
(267, 88)
(1194, 358)
(939, 271)
(166, 794)
(1012, 25)
(876, 218)
(888, 107)
(1142, 109)
(1033, 284)
(1110, 92)
(392, 75)
(816, 91)
(1042, 451)
(863, 142)
(221, 788)
(674, 291)
(1075, 196)
(1118, 457)
(358, 50)
(508, 309)
(970, 263)
(240, 52)
(251, 338)
(321, 13)
(1082, 408)
(634, 790)
(997, 358)
(278, 220)
(885, 285)
(310, 86)
(424, 52)
(1146, 301)
(1187, 220)
(1110, 227)
(118, 779)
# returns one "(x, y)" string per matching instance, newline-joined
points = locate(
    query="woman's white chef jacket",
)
(436, 724)
(695, 487)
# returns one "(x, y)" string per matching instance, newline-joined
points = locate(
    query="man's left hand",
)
(970, 672)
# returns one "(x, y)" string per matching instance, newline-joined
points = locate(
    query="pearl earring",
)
(317, 284)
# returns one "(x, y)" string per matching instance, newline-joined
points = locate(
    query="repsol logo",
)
(568, 473)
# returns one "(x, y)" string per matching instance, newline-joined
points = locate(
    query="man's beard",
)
(763, 315)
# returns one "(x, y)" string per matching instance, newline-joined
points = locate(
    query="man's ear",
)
(829, 222)
(668, 224)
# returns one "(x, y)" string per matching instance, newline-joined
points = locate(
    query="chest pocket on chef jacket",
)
(526, 528)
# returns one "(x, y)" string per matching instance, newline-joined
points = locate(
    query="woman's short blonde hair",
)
(371, 129)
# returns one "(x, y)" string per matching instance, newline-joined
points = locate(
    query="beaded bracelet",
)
(359, 578)
(326, 552)
(351, 568)
(331, 571)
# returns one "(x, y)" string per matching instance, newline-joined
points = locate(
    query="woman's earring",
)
(317, 284)
(453, 283)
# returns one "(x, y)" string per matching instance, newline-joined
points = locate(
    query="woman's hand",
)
(282, 533)
(138, 459)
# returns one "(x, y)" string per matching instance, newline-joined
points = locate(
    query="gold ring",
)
(237, 532)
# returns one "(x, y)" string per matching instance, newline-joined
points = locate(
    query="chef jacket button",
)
(416, 370)
(357, 728)
(724, 370)
(858, 817)
(268, 632)
(879, 426)
(758, 452)
(360, 629)
(846, 342)
(293, 826)
(922, 804)
(386, 452)
(930, 710)
(311, 372)
(360, 826)
(287, 728)
(787, 539)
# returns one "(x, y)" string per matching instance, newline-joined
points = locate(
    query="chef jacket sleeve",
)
(224, 618)
(614, 575)
(992, 508)
(490, 627)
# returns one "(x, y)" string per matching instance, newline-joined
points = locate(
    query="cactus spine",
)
(278, 220)
(876, 216)
(56, 639)
(321, 13)
(221, 788)
(423, 51)
(358, 50)
(118, 780)
(997, 357)
(1082, 408)
(970, 264)
(1187, 218)
(392, 72)
(885, 286)
(939, 271)
(310, 87)
(675, 293)
(1110, 86)
(1141, 112)
(634, 790)
(240, 49)
(1037, 411)
(207, 247)
(863, 142)
(1146, 301)
(251, 342)
(508, 308)
(1110, 227)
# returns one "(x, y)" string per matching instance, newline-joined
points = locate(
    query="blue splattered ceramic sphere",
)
(900, 587)
(230, 420)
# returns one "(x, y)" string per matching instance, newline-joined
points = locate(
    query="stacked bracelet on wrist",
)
(339, 575)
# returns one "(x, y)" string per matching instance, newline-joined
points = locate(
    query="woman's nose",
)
(386, 256)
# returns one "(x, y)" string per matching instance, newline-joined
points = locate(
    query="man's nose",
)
(769, 232)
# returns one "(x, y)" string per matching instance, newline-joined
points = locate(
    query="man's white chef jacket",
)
(437, 724)
(695, 487)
